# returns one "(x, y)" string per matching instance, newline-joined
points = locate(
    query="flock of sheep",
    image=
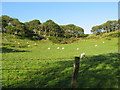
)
(83, 55)
(27, 43)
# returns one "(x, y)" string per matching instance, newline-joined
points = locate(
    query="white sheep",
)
(28, 45)
(49, 48)
(35, 44)
(83, 55)
(63, 48)
(96, 45)
(77, 48)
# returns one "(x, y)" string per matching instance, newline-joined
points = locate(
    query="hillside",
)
(109, 35)
(43, 64)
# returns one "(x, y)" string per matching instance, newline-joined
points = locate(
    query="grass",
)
(37, 67)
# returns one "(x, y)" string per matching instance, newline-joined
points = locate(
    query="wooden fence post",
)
(75, 72)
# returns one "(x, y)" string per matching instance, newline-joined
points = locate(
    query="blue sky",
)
(83, 14)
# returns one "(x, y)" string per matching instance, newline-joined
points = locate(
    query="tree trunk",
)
(45, 33)
(76, 35)
(56, 34)
(49, 33)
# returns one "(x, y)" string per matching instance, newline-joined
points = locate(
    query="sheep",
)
(58, 47)
(83, 55)
(96, 45)
(49, 48)
(28, 45)
(35, 44)
(77, 48)
(62, 47)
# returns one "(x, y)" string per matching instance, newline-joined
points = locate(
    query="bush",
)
(56, 39)
(83, 35)
(62, 40)
(108, 38)
(93, 36)
(112, 34)
(71, 40)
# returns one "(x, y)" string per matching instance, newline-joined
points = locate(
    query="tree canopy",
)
(36, 29)
(107, 27)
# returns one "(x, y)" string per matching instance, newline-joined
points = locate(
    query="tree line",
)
(106, 27)
(36, 30)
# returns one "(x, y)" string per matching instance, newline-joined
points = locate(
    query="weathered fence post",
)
(75, 72)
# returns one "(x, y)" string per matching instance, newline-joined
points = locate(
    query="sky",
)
(83, 14)
(60, 0)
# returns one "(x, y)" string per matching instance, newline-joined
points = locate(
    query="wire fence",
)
(35, 63)
(11, 71)
(36, 59)
(17, 75)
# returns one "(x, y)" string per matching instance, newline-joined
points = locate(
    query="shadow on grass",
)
(7, 50)
(101, 71)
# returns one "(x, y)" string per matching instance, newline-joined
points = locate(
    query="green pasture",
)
(39, 64)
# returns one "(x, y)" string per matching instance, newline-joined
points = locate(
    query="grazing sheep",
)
(103, 42)
(18, 43)
(96, 45)
(28, 45)
(49, 48)
(35, 44)
(63, 48)
(83, 55)
(77, 48)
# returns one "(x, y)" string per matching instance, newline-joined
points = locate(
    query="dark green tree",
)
(107, 27)
(51, 28)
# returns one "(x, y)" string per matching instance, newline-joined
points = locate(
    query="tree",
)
(34, 24)
(5, 22)
(78, 31)
(32, 28)
(36, 29)
(41, 29)
(0, 24)
(10, 29)
(107, 27)
(51, 28)
(72, 30)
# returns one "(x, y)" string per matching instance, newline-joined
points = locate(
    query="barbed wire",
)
(27, 68)
(37, 59)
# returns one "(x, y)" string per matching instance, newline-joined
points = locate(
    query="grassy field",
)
(41, 64)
